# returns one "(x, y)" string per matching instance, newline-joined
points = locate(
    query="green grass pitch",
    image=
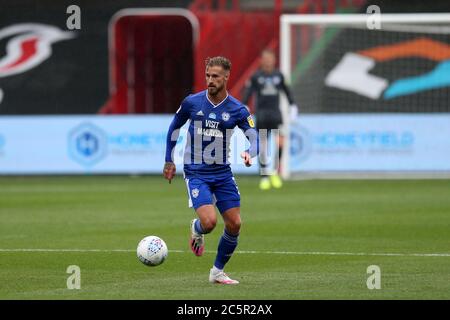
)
(309, 240)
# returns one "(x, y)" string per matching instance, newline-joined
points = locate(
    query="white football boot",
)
(220, 277)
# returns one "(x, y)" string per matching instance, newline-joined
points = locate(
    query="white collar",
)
(216, 105)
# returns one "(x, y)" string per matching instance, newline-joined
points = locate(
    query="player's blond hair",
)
(218, 61)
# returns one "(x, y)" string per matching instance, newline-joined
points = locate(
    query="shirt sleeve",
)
(286, 91)
(180, 118)
(247, 125)
(250, 87)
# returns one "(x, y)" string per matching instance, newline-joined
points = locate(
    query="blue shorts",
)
(220, 190)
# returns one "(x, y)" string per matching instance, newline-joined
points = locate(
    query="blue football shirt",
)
(209, 134)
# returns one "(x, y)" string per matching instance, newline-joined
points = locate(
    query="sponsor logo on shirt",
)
(212, 115)
(250, 121)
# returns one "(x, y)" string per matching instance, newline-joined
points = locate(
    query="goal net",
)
(344, 64)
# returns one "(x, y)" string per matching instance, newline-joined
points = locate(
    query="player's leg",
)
(269, 127)
(207, 219)
(227, 244)
(228, 203)
(263, 159)
(279, 144)
(200, 198)
(204, 224)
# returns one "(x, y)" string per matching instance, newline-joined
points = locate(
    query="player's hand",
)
(169, 171)
(247, 158)
(293, 112)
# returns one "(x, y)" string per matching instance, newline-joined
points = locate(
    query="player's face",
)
(268, 62)
(216, 79)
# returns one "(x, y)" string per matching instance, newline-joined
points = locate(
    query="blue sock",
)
(227, 244)
(198, 227)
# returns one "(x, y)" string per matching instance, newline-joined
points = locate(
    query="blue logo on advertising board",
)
(87, 144)
(345, 143)
(301, 143)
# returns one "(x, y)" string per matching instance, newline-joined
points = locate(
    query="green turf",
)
(405, 217)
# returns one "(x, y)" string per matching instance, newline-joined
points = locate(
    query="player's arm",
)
(250, 87)
(286, 90)
(247, 125)
(293, 109)
(180, 118)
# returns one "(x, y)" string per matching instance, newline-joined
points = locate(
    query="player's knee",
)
(209, 224)
(234, 226)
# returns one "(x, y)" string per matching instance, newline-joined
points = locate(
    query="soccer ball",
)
(152, 251)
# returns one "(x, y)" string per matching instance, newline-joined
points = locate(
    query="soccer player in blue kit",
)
(213, 115)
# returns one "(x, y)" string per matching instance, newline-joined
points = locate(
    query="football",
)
(152, 251)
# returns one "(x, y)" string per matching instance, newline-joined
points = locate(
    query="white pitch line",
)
(76, 250)
(317, 253)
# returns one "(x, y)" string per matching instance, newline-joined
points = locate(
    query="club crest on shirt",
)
(276, 80)
(195, 192)
(225, 116)
(212, 115)
(250, 121)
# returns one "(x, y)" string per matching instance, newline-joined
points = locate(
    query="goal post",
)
(340, 70)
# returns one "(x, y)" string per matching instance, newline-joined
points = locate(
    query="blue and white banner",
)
(374, 142)
(94, 144)
(136, 144)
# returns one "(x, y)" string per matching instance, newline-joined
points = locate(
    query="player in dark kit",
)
(267, 83)
(213, 115)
